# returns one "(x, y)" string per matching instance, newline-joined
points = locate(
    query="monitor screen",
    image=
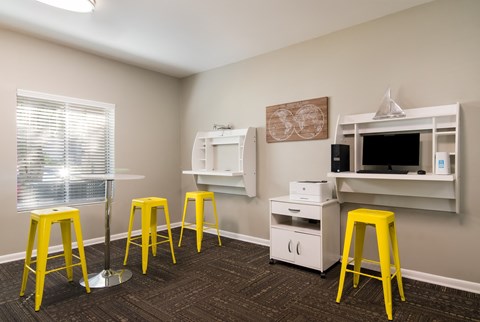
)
(391, 149)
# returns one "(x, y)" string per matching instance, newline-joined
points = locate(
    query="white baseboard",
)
(245, 238)
(87, 242)
(415, 275)
(443, 281)
(432, 279)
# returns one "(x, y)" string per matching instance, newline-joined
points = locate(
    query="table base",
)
(107, 278)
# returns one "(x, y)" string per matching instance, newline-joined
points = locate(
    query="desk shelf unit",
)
(439, 128)
(225, 161)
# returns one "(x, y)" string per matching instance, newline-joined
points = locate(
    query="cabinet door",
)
(282, 245)
(307, 250)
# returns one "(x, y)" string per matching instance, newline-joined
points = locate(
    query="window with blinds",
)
(58, 138)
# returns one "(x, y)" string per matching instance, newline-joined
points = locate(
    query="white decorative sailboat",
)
(389, 108)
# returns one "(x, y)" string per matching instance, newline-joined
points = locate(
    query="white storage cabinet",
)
(305, 233)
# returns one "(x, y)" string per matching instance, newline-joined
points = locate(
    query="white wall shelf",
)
(225, 161)
(214, 173)
(438, 124)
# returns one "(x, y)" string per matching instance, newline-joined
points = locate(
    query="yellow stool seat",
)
(384, 223)
(148, 207)
(199, 197)
(43, 219)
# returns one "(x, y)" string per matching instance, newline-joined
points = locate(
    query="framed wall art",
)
(298, 121)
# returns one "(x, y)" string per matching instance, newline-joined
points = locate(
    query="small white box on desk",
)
(316, 191)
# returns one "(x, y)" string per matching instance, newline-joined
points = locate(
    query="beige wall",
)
(427, 55)
(146, 137)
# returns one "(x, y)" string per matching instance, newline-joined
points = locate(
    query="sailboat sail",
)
(389, 108)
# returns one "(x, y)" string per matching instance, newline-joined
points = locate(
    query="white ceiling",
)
(184, 37)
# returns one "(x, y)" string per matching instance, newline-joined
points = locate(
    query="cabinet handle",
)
(298, 248)
(289, 246)
(293, 210)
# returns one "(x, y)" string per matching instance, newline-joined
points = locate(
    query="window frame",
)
(87, 129)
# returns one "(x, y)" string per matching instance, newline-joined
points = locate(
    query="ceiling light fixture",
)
(72, 5)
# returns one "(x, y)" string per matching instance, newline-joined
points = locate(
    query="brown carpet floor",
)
(234, 282)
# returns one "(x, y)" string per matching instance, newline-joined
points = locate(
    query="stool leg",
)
(199, 222)
(145, 237)
(346, 251)
(358, 251)
(66, 229)
(167, 221)
(153, 229)
(384, 254)
(44, 228)
(396, 258)
(183, 221)
(81, 251)
(28, 255)
(216, 219)
(129, 234)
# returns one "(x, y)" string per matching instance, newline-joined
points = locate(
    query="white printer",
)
(316, 191)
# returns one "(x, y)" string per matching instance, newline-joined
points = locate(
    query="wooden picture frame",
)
(297, 121)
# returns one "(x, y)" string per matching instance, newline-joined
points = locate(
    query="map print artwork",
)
(298, 121)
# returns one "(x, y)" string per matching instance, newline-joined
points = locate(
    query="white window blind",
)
(57, 138)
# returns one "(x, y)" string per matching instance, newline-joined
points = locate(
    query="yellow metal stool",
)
(199, 197)
(148, 207)
(43, 219)
(384, 222)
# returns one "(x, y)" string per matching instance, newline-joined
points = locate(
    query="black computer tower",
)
(340, 157)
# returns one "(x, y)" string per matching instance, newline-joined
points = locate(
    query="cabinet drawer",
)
(296, 210)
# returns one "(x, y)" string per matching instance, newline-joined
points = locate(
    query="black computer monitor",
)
(401, 149)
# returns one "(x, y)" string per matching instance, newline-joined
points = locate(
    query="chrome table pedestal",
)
(108, 277)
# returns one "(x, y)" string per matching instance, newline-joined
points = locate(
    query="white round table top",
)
(114, 176)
